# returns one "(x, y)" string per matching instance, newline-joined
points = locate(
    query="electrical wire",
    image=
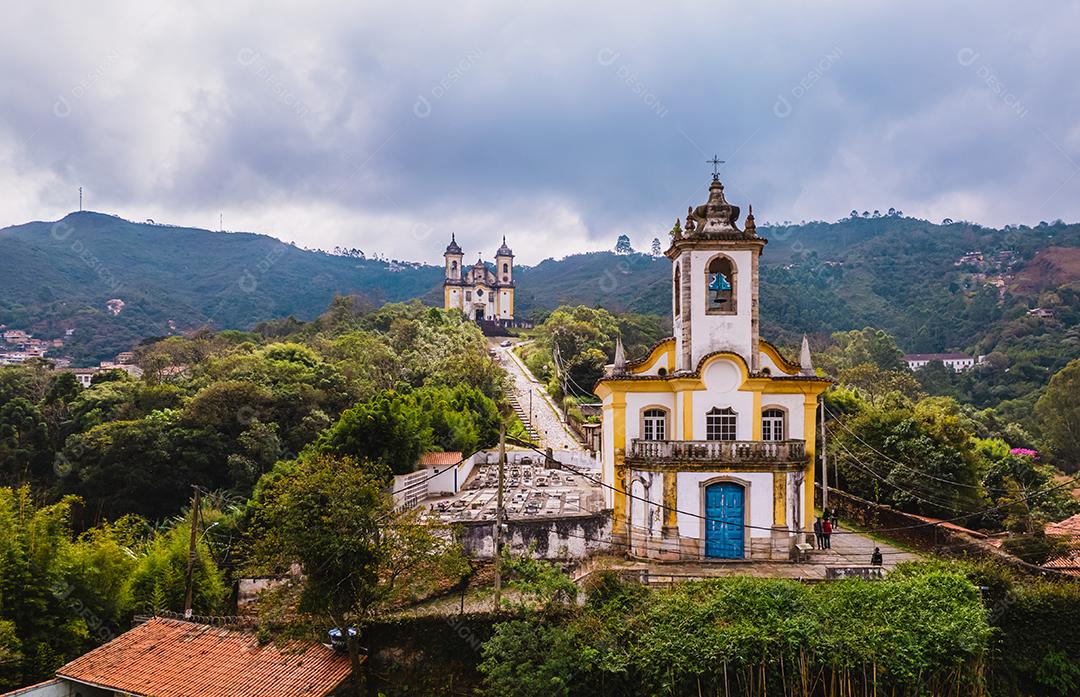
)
(977, 487)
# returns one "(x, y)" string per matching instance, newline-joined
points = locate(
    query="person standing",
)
(819, 538)
(875, 558)
(826, 533)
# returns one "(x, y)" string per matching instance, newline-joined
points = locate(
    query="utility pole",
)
(824, 462)
(499, 516)
(80, 199)
(189, 579)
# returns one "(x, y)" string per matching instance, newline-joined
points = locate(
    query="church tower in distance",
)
(483, 294)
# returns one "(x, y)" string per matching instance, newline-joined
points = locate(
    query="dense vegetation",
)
(930, 628)
(57, 276)
(94, 482)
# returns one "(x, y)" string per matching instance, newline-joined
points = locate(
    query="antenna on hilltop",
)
(221, 222)
(80, 199)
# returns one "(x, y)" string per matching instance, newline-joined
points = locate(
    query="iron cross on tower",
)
(715, 162)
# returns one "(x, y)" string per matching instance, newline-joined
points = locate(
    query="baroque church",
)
(483, 294)
(708, 442)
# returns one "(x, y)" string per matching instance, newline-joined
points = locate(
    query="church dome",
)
(504, 251)
(453, 247)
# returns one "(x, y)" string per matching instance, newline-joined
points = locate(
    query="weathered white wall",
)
(793, 403)
(55, 688)
(722, 379)
(758, 498)
(561, 538)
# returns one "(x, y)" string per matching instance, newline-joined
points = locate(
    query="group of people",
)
(823, 529)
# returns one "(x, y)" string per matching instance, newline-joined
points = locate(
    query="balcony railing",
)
(729, 451)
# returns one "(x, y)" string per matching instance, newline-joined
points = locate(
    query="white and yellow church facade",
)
(483, 293)
(708, 443)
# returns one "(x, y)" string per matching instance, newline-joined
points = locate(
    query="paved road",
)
(546, 419)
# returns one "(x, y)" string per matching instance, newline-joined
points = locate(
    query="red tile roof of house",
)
(439, 459)
(1068, 564)
(171, 658)
(1069, 527)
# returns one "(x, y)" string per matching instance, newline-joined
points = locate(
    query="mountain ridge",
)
(901, 274)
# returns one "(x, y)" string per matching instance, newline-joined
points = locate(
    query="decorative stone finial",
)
(676, 231)
(619, 367)
(689, 219)
(806, 366)
(751, 227)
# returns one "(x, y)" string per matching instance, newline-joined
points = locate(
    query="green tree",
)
(1059, 415)
(870, 345)
(158, 581)
(332, 516)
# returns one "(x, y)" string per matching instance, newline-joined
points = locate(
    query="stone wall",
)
(562, 539)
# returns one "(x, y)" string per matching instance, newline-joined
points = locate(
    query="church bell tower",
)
(715, 282)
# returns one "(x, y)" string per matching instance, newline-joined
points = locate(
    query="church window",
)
(772, 424)
(468, 295)
(479, 293)
(506, 268)
(720, 424)
(453, 266)
(720, 286)
(678, 291)
(654, 424)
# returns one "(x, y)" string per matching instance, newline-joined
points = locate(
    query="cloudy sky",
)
(386, 126)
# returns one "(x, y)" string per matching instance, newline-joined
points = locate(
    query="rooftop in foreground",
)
(173, 658)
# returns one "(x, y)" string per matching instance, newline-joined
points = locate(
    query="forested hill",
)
(906, 276)
(60, 275)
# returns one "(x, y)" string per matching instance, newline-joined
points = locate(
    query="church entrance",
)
(479, 314)
(724, 508)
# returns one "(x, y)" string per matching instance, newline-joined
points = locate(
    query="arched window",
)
(720, 286)
(772, 424)
(678, 291)
(506, 268)
(453, 266)
(654, 424)
(720, 424)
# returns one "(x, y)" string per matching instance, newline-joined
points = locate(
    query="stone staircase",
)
(522, 415)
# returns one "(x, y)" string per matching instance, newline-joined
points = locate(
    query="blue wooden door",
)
(724, 532)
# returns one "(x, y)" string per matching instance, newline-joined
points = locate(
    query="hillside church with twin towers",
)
(483, 293)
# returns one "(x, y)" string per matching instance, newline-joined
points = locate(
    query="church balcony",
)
(754, 454)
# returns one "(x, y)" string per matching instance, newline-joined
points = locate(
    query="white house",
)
(708, 443)
(957, 362)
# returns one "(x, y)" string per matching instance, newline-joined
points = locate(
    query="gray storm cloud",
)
(387, 126)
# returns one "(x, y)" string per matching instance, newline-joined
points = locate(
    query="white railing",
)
(736, 451)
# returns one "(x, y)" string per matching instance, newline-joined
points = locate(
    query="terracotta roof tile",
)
(440, 459)
(171, 658)
(1069, 527)
(1068, 564)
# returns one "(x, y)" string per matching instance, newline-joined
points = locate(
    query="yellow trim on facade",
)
(781, 363)
(688, 415)
(779, 480)
(619, 521)
(667, 346)
(810, 438)
(671, 500)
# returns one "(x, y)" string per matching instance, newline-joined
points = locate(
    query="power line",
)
(905, 466)
(576, 470)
